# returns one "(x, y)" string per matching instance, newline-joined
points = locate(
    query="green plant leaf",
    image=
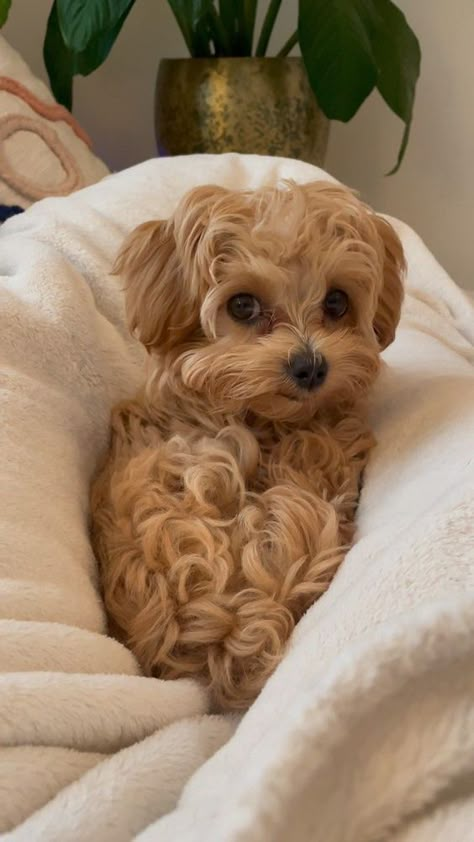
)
(95, 54)
(63, 64)
(192, 17)
(83, 21)
(398, 57)
(250, 14)
(4, 9)
(59, 60)
(336, 45)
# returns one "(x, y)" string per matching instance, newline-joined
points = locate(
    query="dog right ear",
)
(160, 311)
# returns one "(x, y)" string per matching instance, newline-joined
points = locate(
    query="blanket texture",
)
(366, 730)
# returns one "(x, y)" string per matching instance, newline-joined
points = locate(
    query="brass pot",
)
(255, 105)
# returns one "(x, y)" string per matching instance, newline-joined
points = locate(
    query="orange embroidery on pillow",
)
(13, 123)
(51, 111)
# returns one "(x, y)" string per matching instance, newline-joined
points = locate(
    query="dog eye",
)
(336, 303)
(244, 307)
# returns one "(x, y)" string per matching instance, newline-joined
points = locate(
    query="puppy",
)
(228, 497)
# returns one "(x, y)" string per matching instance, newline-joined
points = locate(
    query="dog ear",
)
(165, 267)
(390, 299)
(159, 312)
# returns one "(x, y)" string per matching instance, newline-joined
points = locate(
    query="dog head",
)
(276, 301)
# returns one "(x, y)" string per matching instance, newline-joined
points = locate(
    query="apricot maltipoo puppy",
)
(228, 497)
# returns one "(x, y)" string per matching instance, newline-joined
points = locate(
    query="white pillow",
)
(43, 150)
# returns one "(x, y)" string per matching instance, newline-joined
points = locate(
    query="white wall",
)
(434, 191)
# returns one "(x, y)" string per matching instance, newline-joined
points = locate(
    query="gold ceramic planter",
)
(255, 105)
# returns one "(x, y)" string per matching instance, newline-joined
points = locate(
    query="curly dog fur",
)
(227, 500)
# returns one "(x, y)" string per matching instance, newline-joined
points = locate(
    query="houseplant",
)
(348, 48)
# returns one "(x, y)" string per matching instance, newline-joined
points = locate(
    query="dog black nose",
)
(308, 370)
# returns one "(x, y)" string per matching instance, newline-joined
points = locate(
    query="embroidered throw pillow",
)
(43, 150)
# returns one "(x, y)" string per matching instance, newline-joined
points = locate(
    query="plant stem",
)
(250, 12)
(219, 34)
(267, 27)
(242, 46)
(288, 45)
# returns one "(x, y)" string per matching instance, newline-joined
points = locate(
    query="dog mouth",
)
(295, 394)
(293, 398)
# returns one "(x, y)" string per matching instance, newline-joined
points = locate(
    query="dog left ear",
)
(390, 300)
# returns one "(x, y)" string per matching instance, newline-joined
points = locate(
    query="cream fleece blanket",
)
(366, 730)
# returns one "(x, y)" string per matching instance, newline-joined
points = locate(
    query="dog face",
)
(276, 301)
